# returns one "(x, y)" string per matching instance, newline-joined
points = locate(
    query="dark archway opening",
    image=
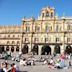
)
(46, 50)
(12, 49)
(2, 49)
(68, 49)
(17, 48)
(7, 48)
(57, 49)
(25, 49)
(35, 49)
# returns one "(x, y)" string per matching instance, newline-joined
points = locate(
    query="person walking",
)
(13, 69)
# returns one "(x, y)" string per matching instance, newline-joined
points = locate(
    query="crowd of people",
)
(60, 62)
(31, 61)
(5, 67)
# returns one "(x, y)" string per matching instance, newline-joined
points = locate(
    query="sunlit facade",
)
(47, 34)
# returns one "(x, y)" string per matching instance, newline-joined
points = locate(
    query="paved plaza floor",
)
(44, 69)
(39, 67)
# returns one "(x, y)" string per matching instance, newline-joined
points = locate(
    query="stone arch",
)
(1, 49)
(46, 49)
(12, 49)
(68, 49)
(7, 48)
(35, 49)
(25, 49)
(57, 49)
(17, 48)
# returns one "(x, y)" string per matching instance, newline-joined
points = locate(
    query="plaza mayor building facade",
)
(47, 34)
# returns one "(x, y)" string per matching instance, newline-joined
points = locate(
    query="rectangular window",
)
(13, 36)
(37, 29)
(47, 14)
(27, 29)
(8, 35)
(35, 39)
(68, 39)
(46, 28)
(46, 39)
(8, 42)
(51, 14)
(68, 27)
(18, 42)
(13, 42)
(57, 39)
(26, 39)
(42, 14)
(57, 28)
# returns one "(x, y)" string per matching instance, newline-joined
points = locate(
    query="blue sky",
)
(12, 11)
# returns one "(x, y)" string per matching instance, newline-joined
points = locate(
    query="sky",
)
(12, 11)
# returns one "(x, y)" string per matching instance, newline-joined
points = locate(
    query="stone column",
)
(15, 49)
(52, 49)
(62, 49)
(20, 48)
(29, 49)
(10, 48)
(21, 43)
(5, 48)
(39, 49)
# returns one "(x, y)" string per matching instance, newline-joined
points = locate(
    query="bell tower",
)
(47, 12)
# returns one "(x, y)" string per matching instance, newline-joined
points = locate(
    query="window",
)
(13, 42)
(17, 42)
(57, 39)
(26, 39)
(42, 14)
(47, 14)
(57, 27)
(46, 39)
(8, 42)
(37, 29)
(18, 35)
(17, 48)
(27, 29)
(48, 28)
(68, 27)
(36, 39)
(13, 36)
(68, 39)
(51, 14)
(8, 35)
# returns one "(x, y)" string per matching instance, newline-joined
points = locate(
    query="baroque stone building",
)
(46, 35)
